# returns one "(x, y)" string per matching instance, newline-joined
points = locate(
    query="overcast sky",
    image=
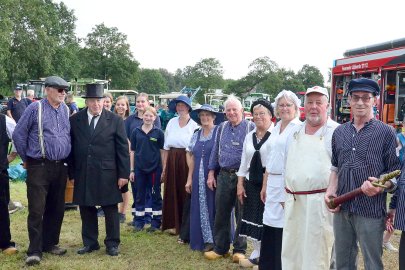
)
(174, 34)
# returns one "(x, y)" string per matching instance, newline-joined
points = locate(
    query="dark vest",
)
(4, 140)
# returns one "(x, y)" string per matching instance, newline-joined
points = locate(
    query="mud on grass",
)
(137, 250)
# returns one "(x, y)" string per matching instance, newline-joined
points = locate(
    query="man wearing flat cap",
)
(99, 168)
(362, 150)
(308, 233)
(42, 139)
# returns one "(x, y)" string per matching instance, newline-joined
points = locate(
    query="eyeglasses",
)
(365, 99)
(260, 114)
(61, 90)
(288, 105)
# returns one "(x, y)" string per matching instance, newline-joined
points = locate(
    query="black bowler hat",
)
(94, 90)
(364, 85)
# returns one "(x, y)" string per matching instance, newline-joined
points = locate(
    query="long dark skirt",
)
(174, 194)
(270, 250)
(253, 208)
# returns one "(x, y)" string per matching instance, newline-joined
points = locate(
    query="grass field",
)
(138, 250)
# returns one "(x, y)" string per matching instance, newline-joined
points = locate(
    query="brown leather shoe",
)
(10, 250)
(248, 263)
(236, 257)
(212, 255)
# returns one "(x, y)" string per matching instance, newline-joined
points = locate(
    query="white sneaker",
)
(389, 246)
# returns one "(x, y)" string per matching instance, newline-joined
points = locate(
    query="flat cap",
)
(56, 82)
(364, 85)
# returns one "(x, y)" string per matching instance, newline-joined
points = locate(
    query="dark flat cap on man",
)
(94, 90)
(364, 85)
(56, 82)
(17, 88)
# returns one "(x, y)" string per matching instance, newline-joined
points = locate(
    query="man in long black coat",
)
(99, 168)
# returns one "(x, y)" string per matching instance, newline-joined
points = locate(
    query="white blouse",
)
(277, 147)
(275, 194)
(179, 137)
(249, 150)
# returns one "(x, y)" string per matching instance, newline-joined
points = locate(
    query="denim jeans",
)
(351, 229)
(225, 201)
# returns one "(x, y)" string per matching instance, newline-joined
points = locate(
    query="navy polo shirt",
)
(147, 148)
(17, 107)
(133, 121)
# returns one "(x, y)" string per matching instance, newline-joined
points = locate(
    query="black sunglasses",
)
(61, 90)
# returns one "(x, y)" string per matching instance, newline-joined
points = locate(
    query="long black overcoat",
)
(98, 160)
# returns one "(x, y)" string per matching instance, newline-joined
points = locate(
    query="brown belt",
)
(305, 192)
(308, 192)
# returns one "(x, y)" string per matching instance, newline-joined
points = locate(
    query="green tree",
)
(107, 55)
(151, 81)
(310, 76)
(290, 80)
(207, 74)
(262, 76)
(41, 31)
(171, 81)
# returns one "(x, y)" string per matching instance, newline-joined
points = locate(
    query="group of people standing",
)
(225, 181)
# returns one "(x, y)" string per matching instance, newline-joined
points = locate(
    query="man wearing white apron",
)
(308, 232)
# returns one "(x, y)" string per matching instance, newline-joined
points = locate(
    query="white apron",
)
(308, 232)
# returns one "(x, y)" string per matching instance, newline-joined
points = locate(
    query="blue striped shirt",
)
(228, 146)
(56, 128)
(359, 155)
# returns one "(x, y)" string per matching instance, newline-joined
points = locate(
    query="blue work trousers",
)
(144, 182)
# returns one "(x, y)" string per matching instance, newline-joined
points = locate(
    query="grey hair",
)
(289, 96)
(30, 93)
(232, 99)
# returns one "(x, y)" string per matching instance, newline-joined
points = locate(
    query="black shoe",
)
(112, 251)
(55, 250)
(208, 247)
(33, 259)
(87, 249)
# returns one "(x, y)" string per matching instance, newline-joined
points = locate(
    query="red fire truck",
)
(384, 63)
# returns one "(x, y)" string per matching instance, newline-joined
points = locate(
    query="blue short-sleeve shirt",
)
(147, 148)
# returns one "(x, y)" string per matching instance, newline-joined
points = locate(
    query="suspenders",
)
(41, 128)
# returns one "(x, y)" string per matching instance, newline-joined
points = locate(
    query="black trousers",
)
(5, 235)
(270, 250)
(225, 201)
(46, 183)
(402, 252)
(185, 221)
(90, 225)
